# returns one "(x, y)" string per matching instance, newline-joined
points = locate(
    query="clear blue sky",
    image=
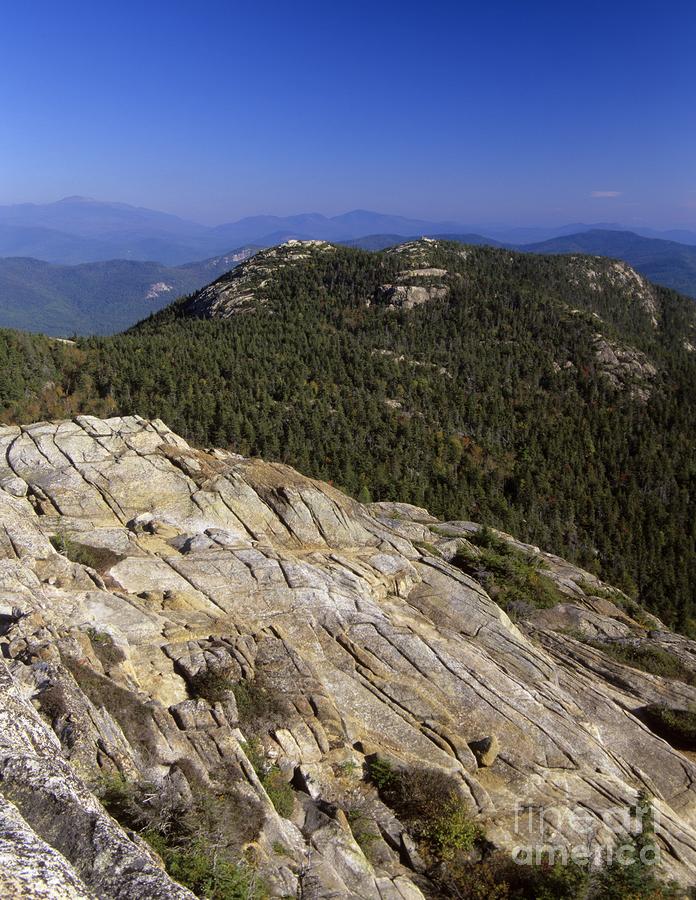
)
(483, 112)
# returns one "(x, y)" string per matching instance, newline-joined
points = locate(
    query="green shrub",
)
(192, 840)
(450, 832)
(364, 495)
(637, 612)
(426, 800)
(427, 547)
(347, 769)
(211, 685)
(513, 578)
(129, 709)
(118, 798)
(647, 658)
(258, 705)
(497, 876)
(627, 877)
(280, 849)
(106, 651)
(595, 590)
(559, 880)
(382, 774)
(254, 753)
(487, 539)
(678, 726)
(633, 874)
(279, 791)
(363, 829)
(484, 880)
(196, 867)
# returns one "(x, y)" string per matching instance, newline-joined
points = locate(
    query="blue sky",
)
(513, 112)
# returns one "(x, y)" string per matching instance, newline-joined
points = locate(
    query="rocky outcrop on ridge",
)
(134, 567)
(598, 273)
(244, 289)
(624, 366)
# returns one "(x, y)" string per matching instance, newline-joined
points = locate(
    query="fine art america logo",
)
(619, 834)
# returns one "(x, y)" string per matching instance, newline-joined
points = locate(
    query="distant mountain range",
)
(79, 230)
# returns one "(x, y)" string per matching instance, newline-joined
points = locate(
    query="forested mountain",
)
(102, 298)
(383, 241)
(666, 262)
(552, 396)
(97, 298)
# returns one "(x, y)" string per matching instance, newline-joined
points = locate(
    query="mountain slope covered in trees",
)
(550, 396)
(666, 262)
(98, 297)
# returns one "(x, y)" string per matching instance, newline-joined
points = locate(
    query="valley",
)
(100, 297)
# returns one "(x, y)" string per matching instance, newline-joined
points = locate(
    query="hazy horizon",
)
(461, 220)
(533, 115)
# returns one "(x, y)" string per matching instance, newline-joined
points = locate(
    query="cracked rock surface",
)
(131, 565)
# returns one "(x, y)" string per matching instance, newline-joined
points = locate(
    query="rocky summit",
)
(179, 624)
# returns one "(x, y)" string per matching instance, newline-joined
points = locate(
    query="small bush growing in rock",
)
(485, 880)
(118, 798)
(636, 878)
(195, 866)
(420, 794)
(382, 774)
(347, 769)
(362, 810)
(94, 557)
(426, 800)
(279, 791)
(678, 726)
(487, 539)
(450, 832)
(196, 840)
(514, 579)
(53, 702)
(427, 547)
(132, 714)
(280, 849)
(211, 685)
(647, 658)
(594, 590)
(363, 828)
(258, 705)
(106, 651)
(498, 877)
